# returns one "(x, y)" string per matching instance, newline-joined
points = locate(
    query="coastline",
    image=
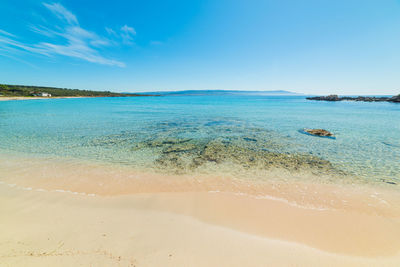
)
(44, 218)
(335, 98)
(8, 98)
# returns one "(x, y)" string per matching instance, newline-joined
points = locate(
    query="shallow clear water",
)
(174, 132)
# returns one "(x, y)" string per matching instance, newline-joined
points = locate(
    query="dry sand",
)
(73, 223)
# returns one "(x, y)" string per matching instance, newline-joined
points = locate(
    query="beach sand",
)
(7, 98)
(55, 213)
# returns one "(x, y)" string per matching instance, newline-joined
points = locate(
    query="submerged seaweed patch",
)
(182, 147)
(219, 151)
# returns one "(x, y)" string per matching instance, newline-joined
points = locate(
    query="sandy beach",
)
(176, 223)
(7, 98)
(199, 133)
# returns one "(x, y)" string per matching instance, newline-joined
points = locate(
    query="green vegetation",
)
(22, 90)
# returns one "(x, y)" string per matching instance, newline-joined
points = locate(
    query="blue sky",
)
(309, 46)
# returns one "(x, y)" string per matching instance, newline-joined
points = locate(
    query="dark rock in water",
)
(180, 147)
(160, 143)
(325, 98)
(395, 99)
(250, 139)
(216, 151)
(388, 182)
(231, 146)
(319, 132)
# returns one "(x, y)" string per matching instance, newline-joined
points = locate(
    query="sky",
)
(305, 46)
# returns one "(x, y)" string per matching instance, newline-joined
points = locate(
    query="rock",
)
(388, 182)
(160, 143)
(318, 132)
(395, 99)
(179, 147)
(326, 98)
(332, 98)
(189, 157)
(249, 139)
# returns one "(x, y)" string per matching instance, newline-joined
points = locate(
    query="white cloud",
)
(124, 34)
(68, 39)
(62, 12)
(80, 50)
(128, 30)
(6, 33)
(100, 42)
(111, 31)
(127, 34)
(42, 30)
(11, 45)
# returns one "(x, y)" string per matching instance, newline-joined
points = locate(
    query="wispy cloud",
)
(11, 44)
(111, 32)
(125, 34)
(69, 39)
(62, 13)
(6, 33)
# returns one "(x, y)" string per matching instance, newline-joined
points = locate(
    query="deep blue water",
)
(367, 140)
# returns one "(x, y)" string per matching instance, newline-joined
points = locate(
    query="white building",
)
(44, 94)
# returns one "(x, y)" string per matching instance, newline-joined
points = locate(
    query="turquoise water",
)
(181, 133)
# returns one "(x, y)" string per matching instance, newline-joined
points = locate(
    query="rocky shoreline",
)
(333, 98)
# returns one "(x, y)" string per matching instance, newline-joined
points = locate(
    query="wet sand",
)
(64, 213)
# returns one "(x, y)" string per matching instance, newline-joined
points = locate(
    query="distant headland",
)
(27, 92)
(395, 99)
(223, 92)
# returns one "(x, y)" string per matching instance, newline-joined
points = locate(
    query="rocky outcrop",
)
(319, 132)
(334, 98)
(325, 98)
(182, 147)
(219, 152)
(395, 99)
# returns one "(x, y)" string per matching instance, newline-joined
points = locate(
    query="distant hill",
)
(221, 92)
(23, 90)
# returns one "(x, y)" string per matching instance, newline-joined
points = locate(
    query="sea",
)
(184, 134)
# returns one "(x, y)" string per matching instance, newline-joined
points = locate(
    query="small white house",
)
(44, 94)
